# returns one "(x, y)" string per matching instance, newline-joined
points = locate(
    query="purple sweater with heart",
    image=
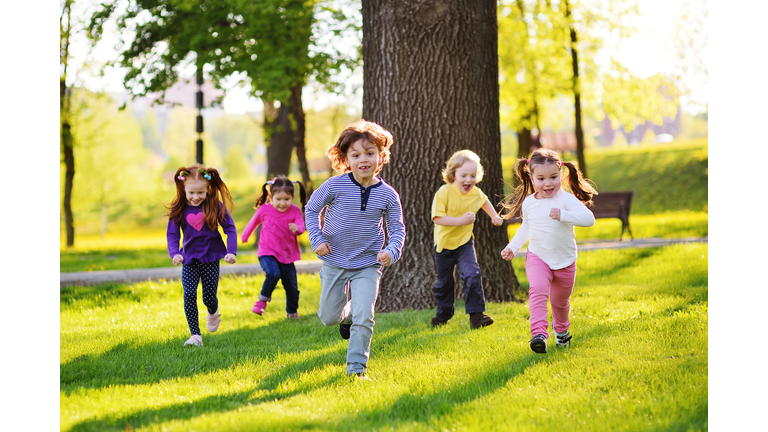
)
(201, 244)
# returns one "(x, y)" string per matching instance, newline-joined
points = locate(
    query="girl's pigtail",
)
(523, 173)
(580, 186)
(302, 195)
(220, 200)
(179, 203)
(262, 198)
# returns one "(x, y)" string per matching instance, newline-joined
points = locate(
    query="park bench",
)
(606, 205)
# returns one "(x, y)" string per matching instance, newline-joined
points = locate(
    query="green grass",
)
(638, 360)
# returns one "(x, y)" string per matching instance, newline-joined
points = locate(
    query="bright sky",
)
(650, 51)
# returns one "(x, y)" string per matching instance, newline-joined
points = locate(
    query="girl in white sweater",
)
(549, 215)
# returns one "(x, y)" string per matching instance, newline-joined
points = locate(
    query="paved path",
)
(309, 266)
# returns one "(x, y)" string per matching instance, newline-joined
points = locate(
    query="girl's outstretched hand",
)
(230, 258)
(323, 250)
(177, 259)
(507, 254)
(555, 214)
(292, 226)
(384, 257)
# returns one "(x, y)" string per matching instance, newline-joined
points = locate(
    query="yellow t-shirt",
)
(450, 201)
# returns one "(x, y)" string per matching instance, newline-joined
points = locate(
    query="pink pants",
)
(555, 284)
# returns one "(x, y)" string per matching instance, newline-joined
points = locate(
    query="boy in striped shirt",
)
(350, 238)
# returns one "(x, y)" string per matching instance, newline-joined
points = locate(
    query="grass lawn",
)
(638, 359)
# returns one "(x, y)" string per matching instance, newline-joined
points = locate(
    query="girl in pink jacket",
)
(278, 247)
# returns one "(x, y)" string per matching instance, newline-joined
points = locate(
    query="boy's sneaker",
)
(195, 340)
(479, 319)
(293, 315)
(344, 330)
(360, 376)
(563, 339)
(212, 321)
(437, 322)
(259, 306)
(539, 344)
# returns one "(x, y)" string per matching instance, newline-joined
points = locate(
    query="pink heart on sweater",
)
(196, 220)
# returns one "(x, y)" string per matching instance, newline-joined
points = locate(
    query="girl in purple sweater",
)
(278, 248)
(202, 203)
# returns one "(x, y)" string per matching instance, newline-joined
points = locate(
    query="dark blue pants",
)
(191, 276)
(275, 271)
(464, 256)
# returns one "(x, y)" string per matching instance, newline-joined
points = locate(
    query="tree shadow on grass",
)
(97, 295)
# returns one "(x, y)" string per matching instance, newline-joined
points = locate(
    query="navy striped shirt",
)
(354, 221)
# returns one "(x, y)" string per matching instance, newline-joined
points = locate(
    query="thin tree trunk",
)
(576, 91)
(300, 136)
(278, 129)
(67, 141)
(431, 78)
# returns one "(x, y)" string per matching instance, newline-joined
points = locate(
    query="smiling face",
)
(363, 159)
(282, 201)
(466, 176)
(546, 180)
(196, 191)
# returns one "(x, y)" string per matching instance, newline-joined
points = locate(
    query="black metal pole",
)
(199, 125)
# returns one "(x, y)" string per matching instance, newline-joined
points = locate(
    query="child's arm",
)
(395, 233)
(521, 236)
(319, 199)
(465, 219)
(173, 236)
(297, 226)
(577, 214)
(252, 224)
(488, 208)
(228, 224)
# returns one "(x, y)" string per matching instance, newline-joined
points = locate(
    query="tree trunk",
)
(67, 141)
(299, 137)
(431, 78)
(67, 148)
(278, 129)
(576, 91)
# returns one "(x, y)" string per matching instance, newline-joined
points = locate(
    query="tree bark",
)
(67, 141)
(431, 78)
(300, 136)
(576, 91)
(277, 126)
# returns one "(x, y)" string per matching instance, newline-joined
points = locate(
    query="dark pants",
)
(275, 271)
(191, 276)
(463, 256)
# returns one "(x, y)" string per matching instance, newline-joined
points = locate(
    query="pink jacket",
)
(276, 239)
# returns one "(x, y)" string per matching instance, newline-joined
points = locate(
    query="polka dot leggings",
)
(191, 275)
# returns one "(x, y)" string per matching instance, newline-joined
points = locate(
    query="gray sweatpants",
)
(335, 309)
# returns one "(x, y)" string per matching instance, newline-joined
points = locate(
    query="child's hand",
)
(384, 257)
(230, 258)
(468, 218)
(555, 214)
(323, 250)
(507, 254)
(292, 226)
(177, 259)
(497, 220)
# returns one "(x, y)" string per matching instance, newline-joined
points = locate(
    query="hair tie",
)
(527, 161)
(182, 178)
(204, 174)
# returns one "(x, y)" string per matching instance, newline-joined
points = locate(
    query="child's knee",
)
(328, 318)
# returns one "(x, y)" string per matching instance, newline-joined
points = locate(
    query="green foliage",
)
(638, 360)
(631, 101)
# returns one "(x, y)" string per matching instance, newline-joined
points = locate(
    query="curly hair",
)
(372, 133)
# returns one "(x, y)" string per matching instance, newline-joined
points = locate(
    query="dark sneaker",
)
(479, 319)
(344, 330)
(436, 322)
(539, 344)
(563, 340)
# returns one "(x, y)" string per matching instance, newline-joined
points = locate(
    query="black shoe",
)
(539, 344)
(479, 319)
(436, 322)
(344, 330)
